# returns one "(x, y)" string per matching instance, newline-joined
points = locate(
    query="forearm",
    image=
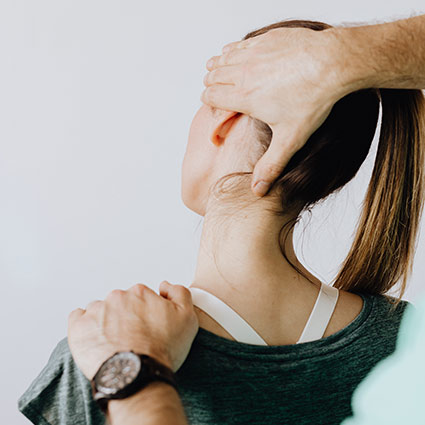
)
(390, 55)
(157, 404)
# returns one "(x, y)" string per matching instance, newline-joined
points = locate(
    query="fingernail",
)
(225, 49)
(210, 63)
(261, 188)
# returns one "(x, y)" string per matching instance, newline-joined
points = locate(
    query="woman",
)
(276, 365)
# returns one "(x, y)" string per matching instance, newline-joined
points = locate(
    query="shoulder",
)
(385, 317)
(387, 307)
(60, 394)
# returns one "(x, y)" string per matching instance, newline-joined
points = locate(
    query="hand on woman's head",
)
(285, 75)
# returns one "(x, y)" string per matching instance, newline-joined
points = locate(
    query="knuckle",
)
(232, 56)
(224, 59)
(72, 313)
(213, 62)
(183, 289)
(92, 304)
(115, 294)
(138, 288)
(227, 47)
(213, 93)
(209, 94)
(272, 169)
(210, 77)
(220, 75)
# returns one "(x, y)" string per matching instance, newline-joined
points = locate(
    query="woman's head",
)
(224, 147)
(221, 143)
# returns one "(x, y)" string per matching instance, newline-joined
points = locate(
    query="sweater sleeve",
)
(60, 394)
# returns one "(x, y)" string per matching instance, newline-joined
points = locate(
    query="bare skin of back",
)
(348, 307)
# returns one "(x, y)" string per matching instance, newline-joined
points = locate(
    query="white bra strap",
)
(226, 317)
(321, 314)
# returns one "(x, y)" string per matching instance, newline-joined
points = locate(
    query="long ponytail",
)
(383, 249)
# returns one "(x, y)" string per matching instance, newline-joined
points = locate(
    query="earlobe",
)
(222, 126)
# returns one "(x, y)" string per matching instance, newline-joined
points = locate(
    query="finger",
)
(271, 164)
(225, 97)
(233, 57)
(225, 75)
(93, 305)
(179, 294)
(242, 44)
(142, 290)
(75, 314)
(229, 46)
(137, 289)
(115, 297)
(211, 62)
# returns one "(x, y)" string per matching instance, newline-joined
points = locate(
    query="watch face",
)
(118, 372)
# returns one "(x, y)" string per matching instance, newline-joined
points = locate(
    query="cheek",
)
(197, 165)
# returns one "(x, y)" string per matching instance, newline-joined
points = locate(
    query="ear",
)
(222, 125)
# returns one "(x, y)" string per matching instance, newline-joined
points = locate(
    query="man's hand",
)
(289, 78)
(162, 326)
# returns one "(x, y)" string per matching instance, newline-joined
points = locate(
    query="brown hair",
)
(385, 241)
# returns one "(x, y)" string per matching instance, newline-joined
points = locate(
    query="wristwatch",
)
(124, 374)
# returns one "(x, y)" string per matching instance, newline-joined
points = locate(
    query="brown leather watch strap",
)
(151, 370)
(157, 371)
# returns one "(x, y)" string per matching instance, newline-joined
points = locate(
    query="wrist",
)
(360, 50)
(379, 56)
(348, 67)
(159, 354)
(155, 396)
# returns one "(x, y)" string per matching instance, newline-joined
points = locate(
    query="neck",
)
(241, 262)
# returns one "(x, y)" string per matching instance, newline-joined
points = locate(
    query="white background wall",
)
(96, 99)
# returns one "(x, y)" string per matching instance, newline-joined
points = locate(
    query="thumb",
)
(179, 294)
(271, 164)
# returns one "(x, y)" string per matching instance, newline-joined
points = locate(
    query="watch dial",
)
(118, 372)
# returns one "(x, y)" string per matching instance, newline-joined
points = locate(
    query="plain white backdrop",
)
(96, 99)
